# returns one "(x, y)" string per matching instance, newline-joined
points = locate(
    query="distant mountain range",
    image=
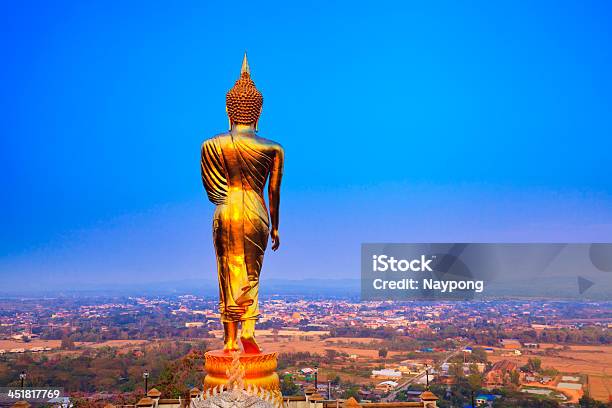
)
(205, 287)
(543, 288)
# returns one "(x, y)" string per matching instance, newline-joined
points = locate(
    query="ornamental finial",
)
(245, 65)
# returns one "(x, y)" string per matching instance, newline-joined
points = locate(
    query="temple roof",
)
(145, 402)
(316, 397)
(428, 396)
(351, 402)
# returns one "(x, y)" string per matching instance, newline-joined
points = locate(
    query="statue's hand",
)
(275, 239)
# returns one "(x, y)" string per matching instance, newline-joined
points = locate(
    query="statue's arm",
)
(276, 174)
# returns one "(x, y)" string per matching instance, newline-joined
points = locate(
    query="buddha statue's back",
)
(235, 168)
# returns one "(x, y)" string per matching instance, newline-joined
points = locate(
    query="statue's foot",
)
(230, 343)
(230, 348)
(250, 345)
(247, 337)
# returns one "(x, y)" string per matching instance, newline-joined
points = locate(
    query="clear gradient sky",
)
(401, 121)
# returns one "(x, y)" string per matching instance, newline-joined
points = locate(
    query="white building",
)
(386, 373)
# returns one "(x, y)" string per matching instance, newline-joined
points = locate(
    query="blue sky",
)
(402, 121)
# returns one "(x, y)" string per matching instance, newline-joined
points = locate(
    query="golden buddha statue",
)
(235, 168)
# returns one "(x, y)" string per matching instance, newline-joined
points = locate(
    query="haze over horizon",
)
(411, 123)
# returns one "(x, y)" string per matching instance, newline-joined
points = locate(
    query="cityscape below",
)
(501, 353)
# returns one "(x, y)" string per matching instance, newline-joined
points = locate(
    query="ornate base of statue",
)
(258, 371)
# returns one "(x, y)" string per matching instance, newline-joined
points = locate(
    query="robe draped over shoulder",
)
(234, 173)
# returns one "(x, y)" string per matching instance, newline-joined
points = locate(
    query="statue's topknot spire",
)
(245, 65)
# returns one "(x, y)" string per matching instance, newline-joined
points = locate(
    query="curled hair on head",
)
(244, 101)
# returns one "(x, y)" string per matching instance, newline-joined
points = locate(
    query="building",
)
(386, 386)
(500, 374)
(569, 386)
(311, 399)
(386, 373)
(427, 400)
(194, 324)
(532, 345)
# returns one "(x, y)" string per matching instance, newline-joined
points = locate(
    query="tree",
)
(475, 381)
(352, 391)
(275, 334)
(479, 355)
(474, 369)
(588, 402)
(382, 353)
(456, 370)
(515, 378)
(534, 364)
(288, 387)
(67, 343)
(331, 354)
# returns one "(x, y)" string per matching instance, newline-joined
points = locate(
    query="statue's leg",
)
(230, 342)
(247, 337)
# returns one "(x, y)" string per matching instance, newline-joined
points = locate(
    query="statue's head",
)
(244, 102)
